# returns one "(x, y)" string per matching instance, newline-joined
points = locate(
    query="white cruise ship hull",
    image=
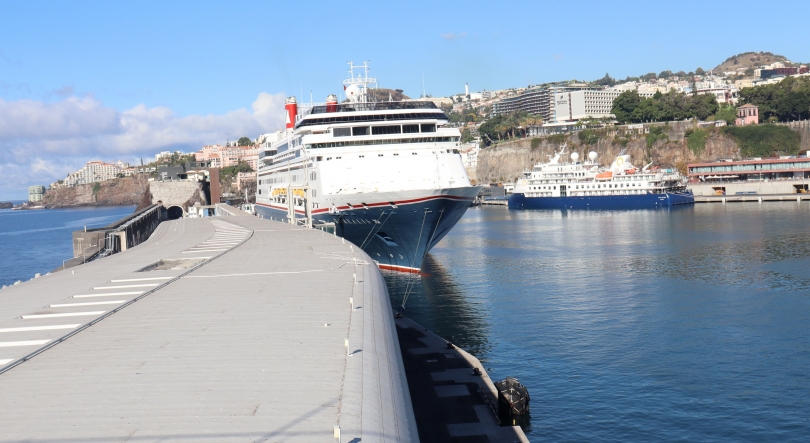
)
(397, 228)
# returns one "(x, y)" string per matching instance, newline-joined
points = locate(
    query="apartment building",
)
(536, 101)
(570, 106)
(224, 156)
(96, 171)
(35, 193)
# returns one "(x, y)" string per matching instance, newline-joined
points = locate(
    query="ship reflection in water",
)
(686, 324)
(436, 302)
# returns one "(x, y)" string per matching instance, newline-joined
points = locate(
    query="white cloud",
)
(42, 142)
(453, 35)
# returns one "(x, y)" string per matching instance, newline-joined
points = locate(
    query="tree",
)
(727, 113)
(629, 107)
(699, 71)
(625, 105)
(665, 74)
(784, 101)
(703, 106)
(244, 141)
(607, 80)
(466, 136)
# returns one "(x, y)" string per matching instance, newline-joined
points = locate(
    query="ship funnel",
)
(331, 103)
(291, 106)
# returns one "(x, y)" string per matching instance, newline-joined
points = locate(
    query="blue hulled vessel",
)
(586, 185)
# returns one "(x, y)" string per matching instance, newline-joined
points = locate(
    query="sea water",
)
(38, 241)
(691, 324)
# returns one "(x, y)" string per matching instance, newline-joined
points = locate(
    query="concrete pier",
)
(452, 404)
(757, 198)
(214, 329)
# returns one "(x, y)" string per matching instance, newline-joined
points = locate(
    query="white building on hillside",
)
(96, 171)
(572, 106)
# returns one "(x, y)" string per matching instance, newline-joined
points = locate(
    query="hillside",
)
(668, 145)
(749, 60)
(119, 191)
(383, 94)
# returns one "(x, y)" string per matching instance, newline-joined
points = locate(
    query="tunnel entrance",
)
(174, 212)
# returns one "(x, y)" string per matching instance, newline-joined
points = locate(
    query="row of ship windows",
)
(599, 186)
(371, 118)
(753, 167)
(322, 158)
(622, 192)
(293, 179)
(384, 130)
(382, 142)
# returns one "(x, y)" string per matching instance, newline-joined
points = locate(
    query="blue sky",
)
(82, 80)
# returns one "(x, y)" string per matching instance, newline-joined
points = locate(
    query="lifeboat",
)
(607, 175)
(630, 171)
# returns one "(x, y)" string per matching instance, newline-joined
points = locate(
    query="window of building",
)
(342, 132)
(382, 130)
(428, 127)
(360, 130)
(410, 129)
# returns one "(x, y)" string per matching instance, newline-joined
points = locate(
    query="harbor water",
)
(688, 324)
(37, 241)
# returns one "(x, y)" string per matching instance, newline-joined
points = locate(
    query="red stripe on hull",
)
(396, 268)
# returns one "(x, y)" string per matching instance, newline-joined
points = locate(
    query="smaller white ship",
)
(586, 185)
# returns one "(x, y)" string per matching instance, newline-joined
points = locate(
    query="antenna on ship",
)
(357, 87)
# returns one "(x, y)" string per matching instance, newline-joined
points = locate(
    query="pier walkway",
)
(215, 329)
(736, 198)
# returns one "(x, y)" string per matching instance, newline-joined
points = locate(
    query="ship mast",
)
(357, 86)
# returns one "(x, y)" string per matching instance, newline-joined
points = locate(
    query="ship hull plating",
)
(602, 202)
(396, 233)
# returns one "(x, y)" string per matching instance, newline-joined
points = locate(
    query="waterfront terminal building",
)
(784, 175)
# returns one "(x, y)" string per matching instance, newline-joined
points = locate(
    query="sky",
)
(86, 80)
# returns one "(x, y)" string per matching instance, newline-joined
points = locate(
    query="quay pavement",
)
(215, 329)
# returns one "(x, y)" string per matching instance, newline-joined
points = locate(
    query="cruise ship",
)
(385, 175)
(586, 185)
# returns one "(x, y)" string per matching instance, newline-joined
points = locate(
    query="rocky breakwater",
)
(6, 205)
(132, 190)
(669, 145)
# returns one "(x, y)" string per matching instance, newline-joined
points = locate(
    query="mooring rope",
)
(409, 287)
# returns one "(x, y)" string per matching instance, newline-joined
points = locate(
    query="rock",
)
(119, 191)
(6, 205)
